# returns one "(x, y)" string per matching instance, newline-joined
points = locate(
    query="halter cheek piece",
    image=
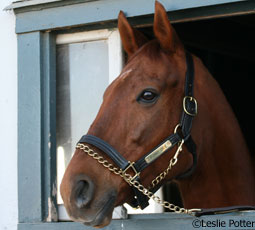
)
(188, 113)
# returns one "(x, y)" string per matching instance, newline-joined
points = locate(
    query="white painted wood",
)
(83, 36)
(115, 52)
(119, 213)
(8, 120)
(116, 57)
(152, 208)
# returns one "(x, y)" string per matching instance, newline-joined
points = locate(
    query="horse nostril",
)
(84, 192)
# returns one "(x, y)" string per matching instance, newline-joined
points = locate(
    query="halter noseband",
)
(184, 136)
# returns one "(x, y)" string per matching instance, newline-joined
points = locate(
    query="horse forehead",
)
(138, 71)
(142, 72)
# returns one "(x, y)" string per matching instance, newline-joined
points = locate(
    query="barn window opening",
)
(226, 47)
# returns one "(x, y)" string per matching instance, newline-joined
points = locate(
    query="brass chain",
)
(129, 179)
(172, 162)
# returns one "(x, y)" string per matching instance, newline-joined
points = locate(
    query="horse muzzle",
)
(84, 205)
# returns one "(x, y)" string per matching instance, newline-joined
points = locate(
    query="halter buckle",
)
(131, 165)
(190, 111)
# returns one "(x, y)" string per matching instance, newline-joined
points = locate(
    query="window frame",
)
(116, 60)
(36, 28)
(114, 46)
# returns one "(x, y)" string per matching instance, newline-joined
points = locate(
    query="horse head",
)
(139, 110)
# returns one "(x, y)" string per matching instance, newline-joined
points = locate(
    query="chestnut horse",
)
(139, 110)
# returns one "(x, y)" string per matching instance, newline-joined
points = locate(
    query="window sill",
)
(156, 221)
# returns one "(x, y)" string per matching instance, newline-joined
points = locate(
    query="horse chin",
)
(99, 222)
(104, 216)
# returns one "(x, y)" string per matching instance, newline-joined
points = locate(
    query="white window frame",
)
(115, 57)
(115, 53)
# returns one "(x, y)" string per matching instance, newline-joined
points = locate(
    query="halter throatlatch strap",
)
(188, 113)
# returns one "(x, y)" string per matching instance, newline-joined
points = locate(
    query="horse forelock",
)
(150, 50)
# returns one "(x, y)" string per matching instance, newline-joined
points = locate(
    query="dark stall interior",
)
(227, 48)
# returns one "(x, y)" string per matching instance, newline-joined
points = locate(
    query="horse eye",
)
(148, 96)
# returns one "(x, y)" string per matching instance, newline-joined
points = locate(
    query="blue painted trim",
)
(165, 221)
(48, 124)
(98, 11)
(36, 126)
(29, 127)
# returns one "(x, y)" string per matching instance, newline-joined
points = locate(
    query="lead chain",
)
(172, 162)
(129, 179)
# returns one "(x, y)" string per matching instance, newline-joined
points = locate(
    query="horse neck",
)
(224, 174)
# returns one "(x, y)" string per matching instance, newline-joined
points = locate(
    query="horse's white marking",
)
(125, 74)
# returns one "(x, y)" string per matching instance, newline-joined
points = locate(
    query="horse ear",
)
(131, 38)
(163, 30)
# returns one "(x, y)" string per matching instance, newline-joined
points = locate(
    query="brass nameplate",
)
(157, 152)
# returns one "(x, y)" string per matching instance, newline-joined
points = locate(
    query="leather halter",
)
(185, 125)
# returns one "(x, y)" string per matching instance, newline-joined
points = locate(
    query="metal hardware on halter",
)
(131, 165)
(176, 128)
(135, 183)
(158, 152)
(178, 151)
(172, 162)
(192, 99)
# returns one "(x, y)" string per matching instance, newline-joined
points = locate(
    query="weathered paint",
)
(36, 122)
(52, 211)
(48, 114)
